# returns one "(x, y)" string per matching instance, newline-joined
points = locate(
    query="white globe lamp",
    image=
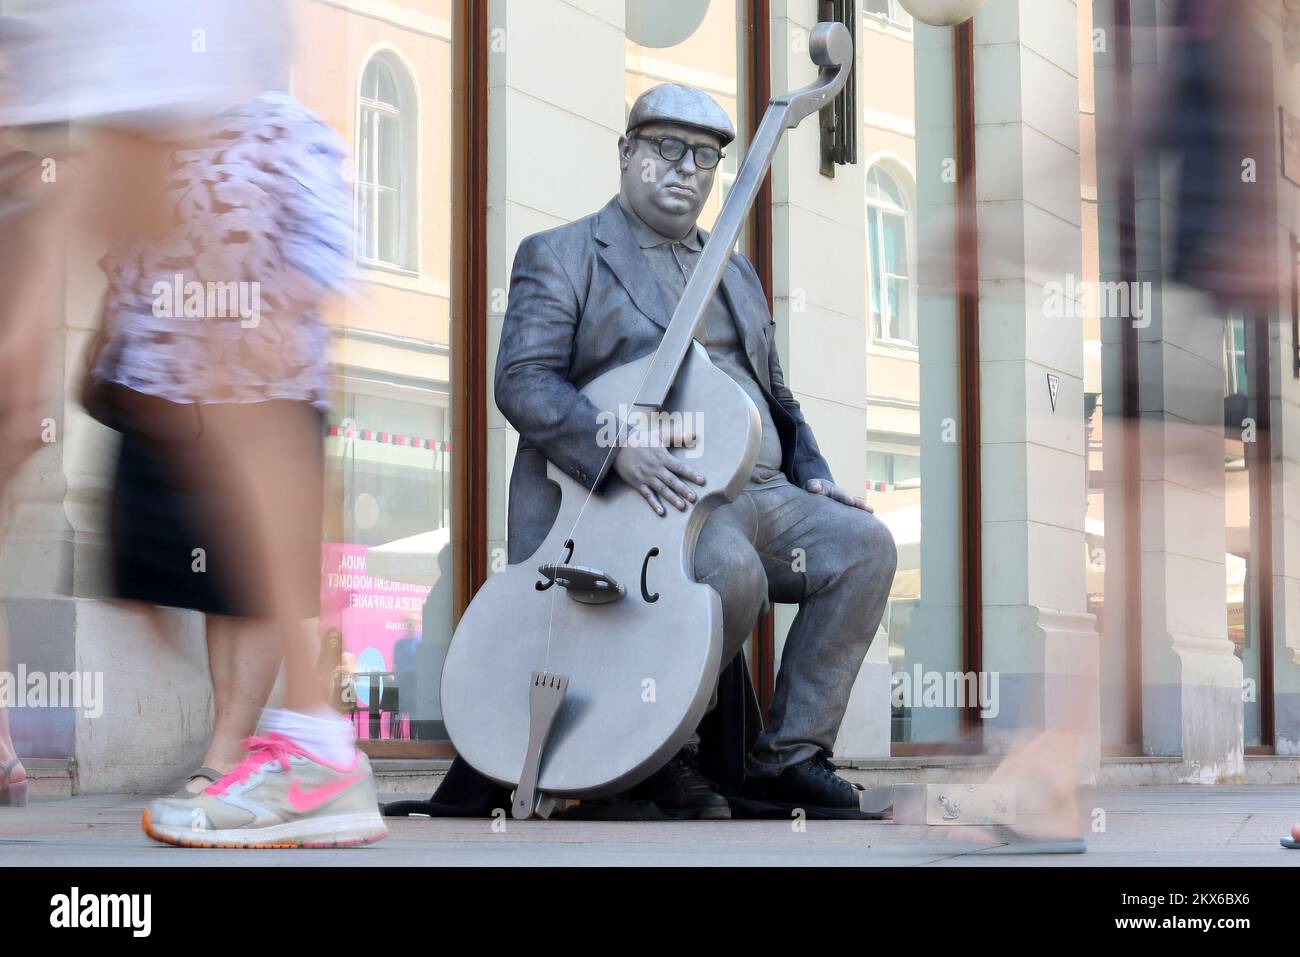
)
(942, 13)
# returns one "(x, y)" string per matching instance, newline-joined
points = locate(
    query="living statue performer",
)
(598, 293)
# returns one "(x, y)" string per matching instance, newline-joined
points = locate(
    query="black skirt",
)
(182, 535)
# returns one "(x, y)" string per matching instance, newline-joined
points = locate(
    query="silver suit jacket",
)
(582, 301)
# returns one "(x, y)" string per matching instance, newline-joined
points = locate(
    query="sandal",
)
(12, 793)
(208, 774)
(1016, 841)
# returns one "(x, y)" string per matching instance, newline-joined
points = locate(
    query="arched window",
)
(889, 271)
(386, 161)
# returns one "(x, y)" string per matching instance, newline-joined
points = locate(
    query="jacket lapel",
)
(749, 311)
(619, 250)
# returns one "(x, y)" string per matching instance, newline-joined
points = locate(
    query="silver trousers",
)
(837, 564)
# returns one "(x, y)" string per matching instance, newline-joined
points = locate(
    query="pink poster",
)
(373, 614)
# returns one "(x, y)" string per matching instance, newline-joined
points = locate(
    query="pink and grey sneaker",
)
(278, 796)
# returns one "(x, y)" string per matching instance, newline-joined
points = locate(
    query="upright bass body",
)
(641, 668)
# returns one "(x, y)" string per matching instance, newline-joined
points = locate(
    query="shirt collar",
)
(647, 237)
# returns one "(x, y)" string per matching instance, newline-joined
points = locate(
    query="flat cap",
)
(674, 103)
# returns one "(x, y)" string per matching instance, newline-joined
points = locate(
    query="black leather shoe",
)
(811, 784)
(683, 793)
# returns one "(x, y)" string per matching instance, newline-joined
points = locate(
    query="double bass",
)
(583, 669)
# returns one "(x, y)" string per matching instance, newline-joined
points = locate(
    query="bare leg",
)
(1044, 768)
(31, 221)
(243, 658)
(1043, 772)
(274, 456)
(271, 487)
(7, 752)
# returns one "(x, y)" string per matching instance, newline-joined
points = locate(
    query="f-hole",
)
(542, 586)
(645, 565)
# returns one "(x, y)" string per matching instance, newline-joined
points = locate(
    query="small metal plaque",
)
(950, 804)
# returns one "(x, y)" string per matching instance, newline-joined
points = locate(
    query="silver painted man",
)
(598, 293)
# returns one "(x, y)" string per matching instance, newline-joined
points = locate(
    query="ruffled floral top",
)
(225, 308)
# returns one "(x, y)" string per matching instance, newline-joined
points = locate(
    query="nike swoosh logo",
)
(306, 801)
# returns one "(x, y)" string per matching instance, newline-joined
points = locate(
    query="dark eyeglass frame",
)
(661, 145)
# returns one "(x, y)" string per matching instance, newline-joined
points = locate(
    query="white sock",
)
(325, 734)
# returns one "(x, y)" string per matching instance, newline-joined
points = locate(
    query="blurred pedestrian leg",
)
(30, 225)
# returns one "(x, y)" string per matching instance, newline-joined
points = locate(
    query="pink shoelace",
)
(262, 749)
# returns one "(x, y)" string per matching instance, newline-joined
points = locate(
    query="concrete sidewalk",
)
(1158, 826)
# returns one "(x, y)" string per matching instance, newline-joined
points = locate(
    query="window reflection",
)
(912, 465)
(385, 84)
(386, 131)
(888, 257)
(1239, 467)
(888, 11)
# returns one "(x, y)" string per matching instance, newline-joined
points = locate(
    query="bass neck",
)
(831, 48)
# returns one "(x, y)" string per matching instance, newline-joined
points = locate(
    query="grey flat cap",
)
(674, 103)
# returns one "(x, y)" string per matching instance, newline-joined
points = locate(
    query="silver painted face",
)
(667, 195)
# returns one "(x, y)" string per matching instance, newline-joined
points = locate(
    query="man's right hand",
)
(655, 472)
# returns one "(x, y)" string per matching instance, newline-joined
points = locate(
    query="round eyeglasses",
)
(673, 149)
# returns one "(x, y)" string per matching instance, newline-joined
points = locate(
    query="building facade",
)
(1096, 502)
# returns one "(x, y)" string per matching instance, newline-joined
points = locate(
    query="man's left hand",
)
(833, 491)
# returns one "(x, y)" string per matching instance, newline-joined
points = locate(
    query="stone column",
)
(1038, 637)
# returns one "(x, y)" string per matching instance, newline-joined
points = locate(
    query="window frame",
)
(876, 253)
(406, 113)
(470, 560)
(1236, 360)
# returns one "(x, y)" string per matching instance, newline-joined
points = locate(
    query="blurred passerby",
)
(28, 227)
(1215, 116)
(223, 206)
